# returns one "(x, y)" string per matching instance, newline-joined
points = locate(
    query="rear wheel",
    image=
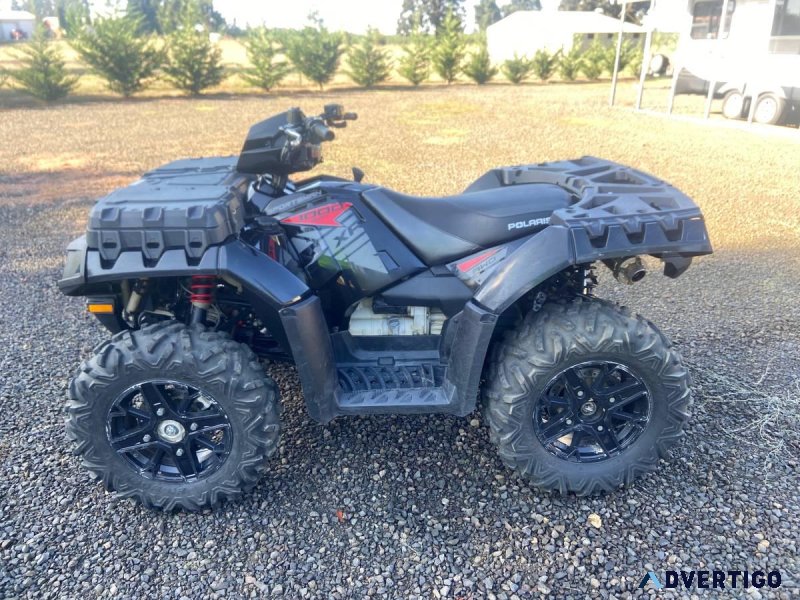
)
(584, 397)
(769, 109)
(174, 417)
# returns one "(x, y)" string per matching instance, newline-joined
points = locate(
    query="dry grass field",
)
(414, 507)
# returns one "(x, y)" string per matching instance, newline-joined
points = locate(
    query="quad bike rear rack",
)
(618, 211)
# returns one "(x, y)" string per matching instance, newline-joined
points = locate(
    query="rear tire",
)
(526, 409)
(769, 109)
(174, 417)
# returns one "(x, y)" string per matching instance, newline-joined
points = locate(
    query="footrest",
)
(361, 378)
(390, 401)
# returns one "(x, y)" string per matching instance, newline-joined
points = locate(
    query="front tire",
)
(584, 397)
(174, 417)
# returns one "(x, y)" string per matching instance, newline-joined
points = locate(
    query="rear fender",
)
(619, 212)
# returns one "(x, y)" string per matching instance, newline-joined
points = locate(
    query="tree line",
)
(129, 55)
(164, 16)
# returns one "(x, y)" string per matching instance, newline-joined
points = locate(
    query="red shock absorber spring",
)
(202, 290)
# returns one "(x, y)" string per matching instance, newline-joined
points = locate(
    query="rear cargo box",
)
(190, 204)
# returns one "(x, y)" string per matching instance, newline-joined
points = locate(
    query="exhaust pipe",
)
(628, 270)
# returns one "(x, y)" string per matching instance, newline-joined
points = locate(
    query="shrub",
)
(544, 64)
(479, 68)
(450, 46)
(265, 71)
(627, 53)
(194, 63)
(635, 64)
(315, 53)
(369, 63)
(43, 73)
(517, 69)
(570, 63)
(114, 51)
(415, 64)
(594, 60)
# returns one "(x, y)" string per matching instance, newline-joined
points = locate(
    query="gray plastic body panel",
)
(187, 204)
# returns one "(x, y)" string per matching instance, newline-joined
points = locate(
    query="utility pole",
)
(619, 50)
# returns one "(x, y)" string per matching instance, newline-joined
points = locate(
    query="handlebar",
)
(303, 136)
(321, 132)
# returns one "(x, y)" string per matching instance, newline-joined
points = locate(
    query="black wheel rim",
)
(169, 431)
(592, 411)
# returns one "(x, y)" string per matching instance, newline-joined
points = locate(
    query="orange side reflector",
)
(101, 308)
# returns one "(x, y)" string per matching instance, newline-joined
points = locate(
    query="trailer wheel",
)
(769, 109)
(733, 105)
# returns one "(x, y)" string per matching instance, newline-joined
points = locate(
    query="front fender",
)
(264, 280)
(283, 302)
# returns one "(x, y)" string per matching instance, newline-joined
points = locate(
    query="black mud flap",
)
(310, 343)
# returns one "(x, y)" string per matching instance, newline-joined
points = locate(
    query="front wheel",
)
(174, 417)
(584, 397)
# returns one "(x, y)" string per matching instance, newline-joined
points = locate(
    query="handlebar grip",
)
(351, 116)
(322, 132)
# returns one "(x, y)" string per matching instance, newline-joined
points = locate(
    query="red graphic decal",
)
(476, 260)
(326, 215)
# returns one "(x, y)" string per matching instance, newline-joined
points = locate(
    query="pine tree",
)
(544, 64)
(593, 61)
(479, 67)
(369, 63)
(415, 63)
(266, 72)
(571, 63)
(315, 53)
(115, 52)
(450, 46)
(194, 63)
(517, 69)
(627, 54)
(43, 73)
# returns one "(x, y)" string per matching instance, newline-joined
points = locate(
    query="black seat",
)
(440, 230)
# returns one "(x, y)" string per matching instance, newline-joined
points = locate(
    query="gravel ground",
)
(410, 506)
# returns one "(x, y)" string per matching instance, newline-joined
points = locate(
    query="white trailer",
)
(16, 24)
(753, 53)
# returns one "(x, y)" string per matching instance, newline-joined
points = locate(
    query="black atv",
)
(385, 303)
